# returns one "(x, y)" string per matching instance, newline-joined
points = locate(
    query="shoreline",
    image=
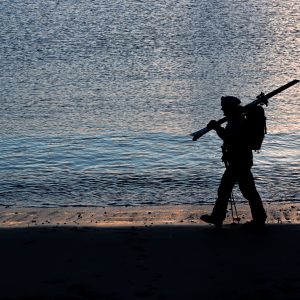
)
(279, 213)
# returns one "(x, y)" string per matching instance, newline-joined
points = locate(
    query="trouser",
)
(245, 180)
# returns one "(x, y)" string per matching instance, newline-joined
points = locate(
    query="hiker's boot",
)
(211, 220)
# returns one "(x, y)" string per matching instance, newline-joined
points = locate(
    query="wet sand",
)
(147, 253)
(282, 213)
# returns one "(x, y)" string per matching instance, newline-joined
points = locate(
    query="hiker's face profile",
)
(226, 110)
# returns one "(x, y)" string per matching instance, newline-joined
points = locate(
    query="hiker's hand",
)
(212, 125)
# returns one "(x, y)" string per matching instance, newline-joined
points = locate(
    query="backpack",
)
(256, 126)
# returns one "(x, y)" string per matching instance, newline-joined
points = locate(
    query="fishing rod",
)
(261, 99)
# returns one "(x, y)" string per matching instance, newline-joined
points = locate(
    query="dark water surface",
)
(98, 98)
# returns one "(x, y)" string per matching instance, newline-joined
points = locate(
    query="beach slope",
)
(150, 262)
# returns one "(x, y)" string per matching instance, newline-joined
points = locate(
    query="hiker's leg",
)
(224, 192)
(248, 189)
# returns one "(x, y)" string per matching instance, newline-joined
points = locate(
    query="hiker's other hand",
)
(212, 125)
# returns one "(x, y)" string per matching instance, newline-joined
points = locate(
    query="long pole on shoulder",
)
(260, 99)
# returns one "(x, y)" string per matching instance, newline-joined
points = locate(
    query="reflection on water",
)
(98, 98)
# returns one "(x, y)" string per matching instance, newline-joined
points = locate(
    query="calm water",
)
(98, 98)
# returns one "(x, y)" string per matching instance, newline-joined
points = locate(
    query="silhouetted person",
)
(238, 159)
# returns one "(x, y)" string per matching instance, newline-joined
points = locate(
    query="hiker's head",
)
(230, 105)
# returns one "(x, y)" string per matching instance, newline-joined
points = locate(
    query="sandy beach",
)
(147, 253)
